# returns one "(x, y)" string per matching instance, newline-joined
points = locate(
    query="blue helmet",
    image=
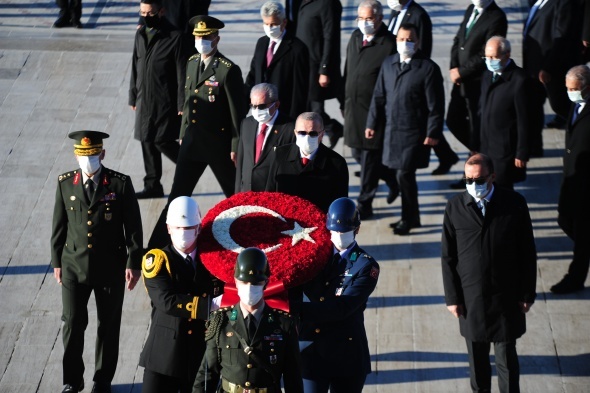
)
(343, 216)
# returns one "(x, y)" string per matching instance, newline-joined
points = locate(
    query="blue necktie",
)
(534, 10)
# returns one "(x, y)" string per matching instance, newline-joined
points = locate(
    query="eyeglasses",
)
(480, 181)
(263, 106)
(312, 134)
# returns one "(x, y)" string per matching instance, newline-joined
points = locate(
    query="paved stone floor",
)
(56, 81)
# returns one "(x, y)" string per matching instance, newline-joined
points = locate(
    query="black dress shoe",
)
(458, 185)
(357, 173)
(148, 193)
(62, 21)
(72, 389)
(335, 131)
(365, 214)
(567, 285)
(101, 387)
(444, 168)
(77, 24)
(403, 227)
(392, 196)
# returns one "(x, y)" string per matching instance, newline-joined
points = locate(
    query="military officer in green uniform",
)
(180, 289)
(214, 106)
(250, 345)
(96, 245)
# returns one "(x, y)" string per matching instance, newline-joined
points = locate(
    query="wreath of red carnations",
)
(290, 230)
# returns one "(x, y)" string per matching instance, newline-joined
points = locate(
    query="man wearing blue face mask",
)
(504, 111)
(96, 246)
(333, 341)
(489, 269)
(307, 168)
(260, 134)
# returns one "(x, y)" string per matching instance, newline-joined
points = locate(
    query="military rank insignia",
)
(374, 272)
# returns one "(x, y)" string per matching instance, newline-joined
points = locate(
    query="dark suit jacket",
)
(252, 176)
(321, 181)
(360, 75)
(336, 309)
(418, 16)
(412, 104)
(575, 187)
(288, 71)
(214, 106)
(274, 343)
(504, 117)
(554, 38)
(94, 242)
(180, 305)
(489, 264)
(466, 53)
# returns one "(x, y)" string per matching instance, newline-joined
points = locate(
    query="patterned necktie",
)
(483, 206)
(304, 160)
(475, 14)
(260, 141)
(89, 188)
(270, 53)
(494, 77)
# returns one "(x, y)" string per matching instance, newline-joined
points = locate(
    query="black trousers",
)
(109, 305)
(72, 8)
(152, 161)
(480, 369)
(462, 118)
(372, 169)
(408, 187)
(578, 230)
(159, 383)
(443, 151)
(188, 172)
(353, 383)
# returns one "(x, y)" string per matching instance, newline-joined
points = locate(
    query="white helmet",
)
(183, 212)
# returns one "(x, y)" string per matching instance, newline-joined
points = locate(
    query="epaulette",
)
(66, 175)
(152, 263)
(119, 175)
(226, 62)
(194, 56)
(282, 313)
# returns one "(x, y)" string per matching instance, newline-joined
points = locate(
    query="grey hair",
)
(311, 116)
(580, 73)
(505, 46)
(273, 8)
(374, 5)
(270, 91)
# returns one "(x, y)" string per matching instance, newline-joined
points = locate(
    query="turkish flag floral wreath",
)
(290, 230)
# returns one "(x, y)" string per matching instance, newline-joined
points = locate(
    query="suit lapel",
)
(471, 206)
(101, 188)
(582, 114)
(281, 51)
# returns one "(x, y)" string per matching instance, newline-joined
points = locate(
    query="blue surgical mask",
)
(576, 96)
(477, 191)
(493, 64)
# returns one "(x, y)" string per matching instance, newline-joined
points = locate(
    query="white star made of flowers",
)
(299, 233)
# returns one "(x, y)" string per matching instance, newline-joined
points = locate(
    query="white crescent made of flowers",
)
(225, 219)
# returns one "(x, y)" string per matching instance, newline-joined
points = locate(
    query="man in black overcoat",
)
(489, 270)
(282, 60)
(409, 99)
(573, 207)
(260, 135)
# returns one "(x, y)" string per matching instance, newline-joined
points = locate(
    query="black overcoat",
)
(318, 26)
(360, 75)
(157, 83)
(489, 264)
(412, 103)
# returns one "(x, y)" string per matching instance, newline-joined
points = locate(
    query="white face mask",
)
(406, 49)
(342, 240)
(394, 5)
(576, 96)
(89, 164)
(476, 190)
(183, 238)
(308, 144)
(273, 32)
(481, 3)
(366, 27)
(204, 47)
(250, 294)
(262, 115)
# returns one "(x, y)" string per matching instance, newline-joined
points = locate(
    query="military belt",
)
(230, 387)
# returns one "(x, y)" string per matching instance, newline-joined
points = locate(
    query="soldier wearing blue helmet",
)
(333, 341)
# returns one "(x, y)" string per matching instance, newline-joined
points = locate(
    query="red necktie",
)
(260, 141)
(270, 53)
(365, 42)
(304, 160)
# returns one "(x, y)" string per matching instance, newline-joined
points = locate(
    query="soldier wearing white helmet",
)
(180, 289)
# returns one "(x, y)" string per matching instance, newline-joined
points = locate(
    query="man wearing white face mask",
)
(573, 207)
(504, 106)
(307, 168)
(180, 289)
(250, 346)
(96, 246)
(333, 341)
(260, 134)
(281, 59)
(489, 269)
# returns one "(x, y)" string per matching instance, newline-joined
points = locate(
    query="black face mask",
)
(152, 21)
